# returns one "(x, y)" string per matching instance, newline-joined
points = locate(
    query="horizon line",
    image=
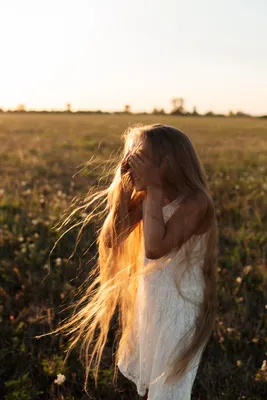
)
(127, 107)
(153, 112)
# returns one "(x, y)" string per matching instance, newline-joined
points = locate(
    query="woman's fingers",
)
(136, 160)
(133, 166)
(137, 165)
(133, 163)
(139, 157)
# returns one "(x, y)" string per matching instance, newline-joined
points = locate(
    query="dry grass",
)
(40, 159)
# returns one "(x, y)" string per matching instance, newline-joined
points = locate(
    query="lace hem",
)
(141, 386)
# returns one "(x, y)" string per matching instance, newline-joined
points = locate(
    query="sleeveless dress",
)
(162, 317)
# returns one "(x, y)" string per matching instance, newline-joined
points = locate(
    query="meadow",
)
(43, 164)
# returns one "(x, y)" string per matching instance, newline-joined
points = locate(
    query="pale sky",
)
(103, 54)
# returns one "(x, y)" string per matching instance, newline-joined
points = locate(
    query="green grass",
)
(41, 156)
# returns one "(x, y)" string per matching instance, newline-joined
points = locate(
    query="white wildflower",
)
(264, 366)
(58, 261)
(28, 191)
(247, 269)
(60, 379)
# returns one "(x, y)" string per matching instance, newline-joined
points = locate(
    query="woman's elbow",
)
(152, 255)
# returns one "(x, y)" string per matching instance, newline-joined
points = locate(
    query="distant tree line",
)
(177, 109)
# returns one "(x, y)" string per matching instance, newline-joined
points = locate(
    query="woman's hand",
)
(144, 171)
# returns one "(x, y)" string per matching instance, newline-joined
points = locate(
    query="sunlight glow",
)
(103, 55)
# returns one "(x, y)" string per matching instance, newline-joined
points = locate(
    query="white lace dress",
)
(162, 317)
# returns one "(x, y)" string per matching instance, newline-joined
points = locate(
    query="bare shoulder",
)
(201, 205)
(195, 202)
(187, 220)
(199, 208)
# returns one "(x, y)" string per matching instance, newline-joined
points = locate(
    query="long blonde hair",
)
(113, 280)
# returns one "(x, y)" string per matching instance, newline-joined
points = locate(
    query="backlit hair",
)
(113, 281)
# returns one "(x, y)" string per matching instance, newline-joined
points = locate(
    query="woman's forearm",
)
(153, 224)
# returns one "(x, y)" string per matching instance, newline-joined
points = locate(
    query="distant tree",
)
(21, 108)
(210, 114)
(68, 107)
(158, 111)
(1, 110)
(238, 114)
(178, 106)
(127, 109)
(195, 111)
(242, 114)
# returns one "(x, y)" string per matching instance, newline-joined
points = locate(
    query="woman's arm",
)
(161, 238)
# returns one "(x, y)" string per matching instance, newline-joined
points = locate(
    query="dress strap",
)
(175, 201)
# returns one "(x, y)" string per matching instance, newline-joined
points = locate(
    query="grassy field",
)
(43, 167)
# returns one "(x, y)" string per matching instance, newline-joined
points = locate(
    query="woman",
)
(156, 269)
